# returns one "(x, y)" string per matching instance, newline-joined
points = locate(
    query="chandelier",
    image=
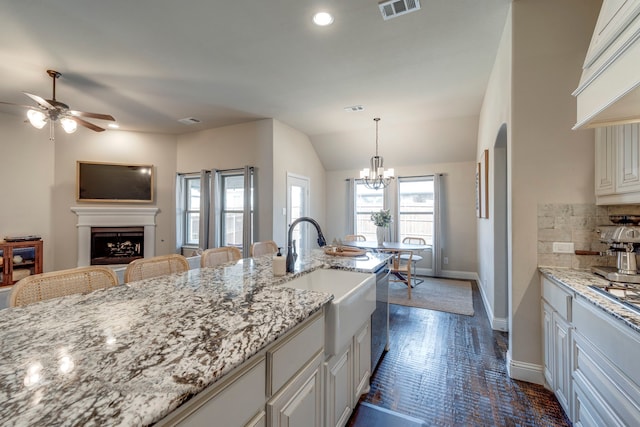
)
(375, 177)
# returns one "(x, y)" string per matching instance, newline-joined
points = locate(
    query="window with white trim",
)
(192, 210)
(415, 208)
(367, 201)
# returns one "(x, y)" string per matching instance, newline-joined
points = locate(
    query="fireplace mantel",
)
(96, 216)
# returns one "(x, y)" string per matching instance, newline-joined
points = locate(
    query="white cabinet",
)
(361, 361)
(556, 307)
(617, 164)
(606, 373)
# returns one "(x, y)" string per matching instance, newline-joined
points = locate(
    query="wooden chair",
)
(56, 284)
(146, 268)
(216, 256)
(264, 248)
(400, 271)
(355, 238)
(416, 258)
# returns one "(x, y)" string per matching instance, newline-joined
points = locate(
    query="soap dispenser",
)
(279, 264)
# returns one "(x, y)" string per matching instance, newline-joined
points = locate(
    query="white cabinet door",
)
(628, 176)
(605, 161)
(547, 327)
(562, 361)
(361, 361)
(299, 403)
(338, 384)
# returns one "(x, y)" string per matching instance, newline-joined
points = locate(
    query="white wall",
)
(548, 162)
(458, 206)
(114, 147)
(27, 181)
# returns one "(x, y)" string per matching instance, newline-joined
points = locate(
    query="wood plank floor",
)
(450, 370)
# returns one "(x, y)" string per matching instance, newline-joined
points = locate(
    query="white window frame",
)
(429, 212)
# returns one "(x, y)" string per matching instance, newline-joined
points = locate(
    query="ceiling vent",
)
(354, 108)
(394, 8)
(189, 121)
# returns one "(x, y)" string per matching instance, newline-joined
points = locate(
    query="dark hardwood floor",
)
(450, 370)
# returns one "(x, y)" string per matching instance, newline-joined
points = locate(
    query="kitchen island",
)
(132, 354)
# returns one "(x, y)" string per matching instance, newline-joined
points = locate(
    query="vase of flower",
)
(382, 220)
(380, 235)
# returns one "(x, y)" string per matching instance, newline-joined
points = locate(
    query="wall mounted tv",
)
(114, 182)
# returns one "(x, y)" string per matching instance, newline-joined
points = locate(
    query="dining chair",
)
(216, 256)
(415, 258)
(146, 268)
(54, 284)
(264, 248)
(355, 238)
(400, 271)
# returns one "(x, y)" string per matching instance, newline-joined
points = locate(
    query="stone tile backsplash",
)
(575, 223)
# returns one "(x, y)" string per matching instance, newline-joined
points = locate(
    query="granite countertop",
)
(578, 281)
(130, 355)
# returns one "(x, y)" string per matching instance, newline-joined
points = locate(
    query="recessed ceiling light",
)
(114, 126)
(323, 19)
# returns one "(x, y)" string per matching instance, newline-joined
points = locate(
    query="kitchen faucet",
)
(291, 244)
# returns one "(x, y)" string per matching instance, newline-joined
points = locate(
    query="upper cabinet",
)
(609, 89)
(617, 171)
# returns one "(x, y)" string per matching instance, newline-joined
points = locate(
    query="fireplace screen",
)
(116, 245)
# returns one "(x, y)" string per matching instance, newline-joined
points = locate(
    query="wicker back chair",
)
(56, 284)
(355, 238)
(216, 256)
(416, 258)
(264, 248)
(146, 268)
(400, 270)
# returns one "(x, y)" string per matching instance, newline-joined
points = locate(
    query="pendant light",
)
(375, 177)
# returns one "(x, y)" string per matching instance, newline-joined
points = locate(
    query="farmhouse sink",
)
(354, 299)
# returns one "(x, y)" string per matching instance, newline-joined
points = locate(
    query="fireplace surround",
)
(95, 216)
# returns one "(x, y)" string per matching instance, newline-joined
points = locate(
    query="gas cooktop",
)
(627, 294)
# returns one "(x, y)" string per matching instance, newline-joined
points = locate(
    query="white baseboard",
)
(449, 274)
(497, 323)
(524, 371)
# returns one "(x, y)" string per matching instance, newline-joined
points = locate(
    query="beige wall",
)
(294, 154)
(115, 147)
(231, 147)
(27, 182)
(458, 206)
(548, 162)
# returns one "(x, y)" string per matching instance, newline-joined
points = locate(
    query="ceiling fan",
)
(52, 110)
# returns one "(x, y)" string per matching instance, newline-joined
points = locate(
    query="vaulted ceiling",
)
(150, 63)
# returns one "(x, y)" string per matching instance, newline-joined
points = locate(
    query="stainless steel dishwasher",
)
(380, 317)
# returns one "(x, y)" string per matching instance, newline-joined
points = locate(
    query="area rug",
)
(452, 296)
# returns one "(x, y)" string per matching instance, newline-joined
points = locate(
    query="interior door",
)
(298, 206)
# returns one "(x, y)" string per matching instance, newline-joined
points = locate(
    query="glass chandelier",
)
(375, 177)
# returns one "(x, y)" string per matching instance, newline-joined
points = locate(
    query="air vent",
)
(189, 121)
(354, 108)
(394, 8)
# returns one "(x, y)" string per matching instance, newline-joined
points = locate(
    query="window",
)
(232, 209)
(367, 201)
(415, 208)
(192, 210)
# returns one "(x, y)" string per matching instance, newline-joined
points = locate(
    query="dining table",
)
(389, 247)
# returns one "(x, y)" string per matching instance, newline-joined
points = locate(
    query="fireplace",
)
(116, 245)
(94, 217)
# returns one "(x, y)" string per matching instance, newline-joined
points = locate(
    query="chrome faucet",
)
(291, 244)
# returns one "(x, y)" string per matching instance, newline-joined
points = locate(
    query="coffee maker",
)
(624, 242)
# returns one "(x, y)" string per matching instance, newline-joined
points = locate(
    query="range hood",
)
(609, 90)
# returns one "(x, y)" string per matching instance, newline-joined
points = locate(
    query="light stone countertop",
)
(130, 355)
(578, 281)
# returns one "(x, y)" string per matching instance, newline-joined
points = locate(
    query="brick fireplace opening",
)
(116, 245)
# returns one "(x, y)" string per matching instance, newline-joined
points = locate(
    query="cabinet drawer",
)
(288, 357)
(238, 401)
(557, 298)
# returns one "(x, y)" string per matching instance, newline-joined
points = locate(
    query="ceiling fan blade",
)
(43, 102)
(86, 124)
(92, 115)
(17, 105)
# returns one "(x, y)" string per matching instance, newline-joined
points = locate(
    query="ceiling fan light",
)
(37, 118)
(68, 125)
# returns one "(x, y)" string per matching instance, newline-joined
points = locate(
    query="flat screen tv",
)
(114, 182)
